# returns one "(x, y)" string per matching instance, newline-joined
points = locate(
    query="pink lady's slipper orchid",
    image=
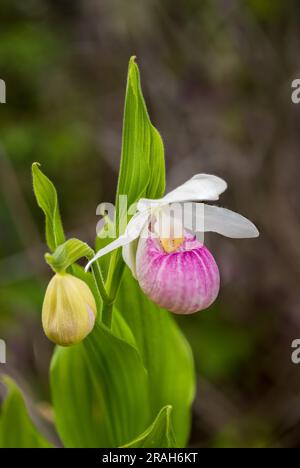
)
(163, 248)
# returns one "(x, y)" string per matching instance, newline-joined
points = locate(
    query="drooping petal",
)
(184, 281)
(199, 217)
(198, 188)
(132, 232)
(129, 256)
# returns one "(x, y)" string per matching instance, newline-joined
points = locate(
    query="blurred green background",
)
(217, 79)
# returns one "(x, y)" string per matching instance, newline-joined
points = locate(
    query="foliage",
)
(16, 427)
(131, 381)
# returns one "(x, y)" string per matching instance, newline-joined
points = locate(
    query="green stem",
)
(107, 314)
(108, 291)
(107, 303)
(115, 273)
(100, 282)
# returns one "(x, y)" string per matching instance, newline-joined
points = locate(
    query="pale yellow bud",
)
(69, 310)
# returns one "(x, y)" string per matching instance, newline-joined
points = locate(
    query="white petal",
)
(228, 223)
(129, 255)
(132, 232)
(200, 187)
(202, 217)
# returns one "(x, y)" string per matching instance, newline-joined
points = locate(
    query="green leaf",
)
(158, 435)
(46, 197)
(100, 390)
(68, 253)
(166, 354)
(142, 170)
(16, 427)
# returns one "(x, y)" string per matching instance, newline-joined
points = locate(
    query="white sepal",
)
(209, 218)
(198, 188)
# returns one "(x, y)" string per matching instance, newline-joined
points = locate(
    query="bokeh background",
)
(217, 79)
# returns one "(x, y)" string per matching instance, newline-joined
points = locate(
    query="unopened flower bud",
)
(69, 310)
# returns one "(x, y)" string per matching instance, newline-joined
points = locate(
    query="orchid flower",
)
(175, 269)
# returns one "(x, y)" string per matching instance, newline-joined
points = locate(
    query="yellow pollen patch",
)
(171, 244)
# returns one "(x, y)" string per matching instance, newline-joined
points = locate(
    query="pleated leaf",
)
(68, 253)
(46, 197)
(165, 352)
(142, 170)
(16, 427)
(142, 167)
(100, 390)
(158, 435)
